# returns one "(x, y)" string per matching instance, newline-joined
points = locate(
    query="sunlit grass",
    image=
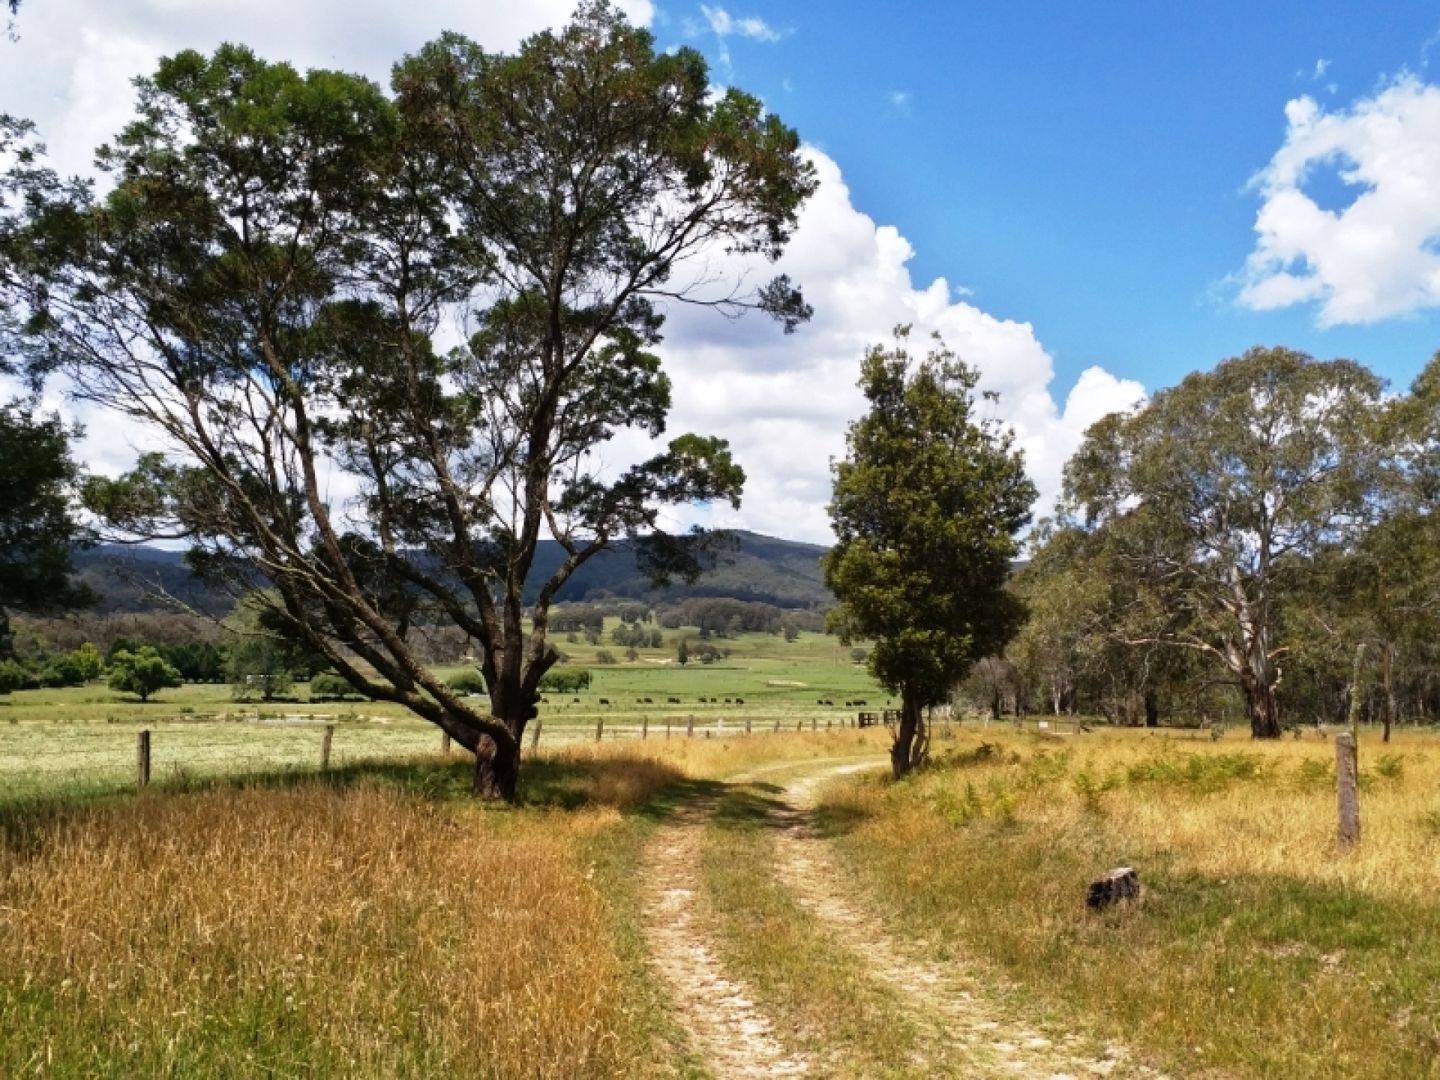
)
(374, 921)
(1258, 948)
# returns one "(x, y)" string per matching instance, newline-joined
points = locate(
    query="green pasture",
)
(83, 739)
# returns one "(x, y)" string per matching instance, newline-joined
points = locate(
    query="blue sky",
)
(1087, 200)
(1084, 167)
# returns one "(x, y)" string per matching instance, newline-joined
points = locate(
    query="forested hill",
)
(779, 572)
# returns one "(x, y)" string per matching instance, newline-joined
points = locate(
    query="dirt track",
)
(968, 1028)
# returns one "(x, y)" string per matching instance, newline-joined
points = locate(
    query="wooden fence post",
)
(777, 725)
(814, 723)
(644, 727)
(445, 743)
(829, 723)
(599, 729)
(142, 758)
(747, 725)
(667, 727)
(690, 726)
(535, 738)
(800, 725)
(325, 741)
(1347, 831)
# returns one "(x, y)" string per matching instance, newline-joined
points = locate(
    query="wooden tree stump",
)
(1122, 883)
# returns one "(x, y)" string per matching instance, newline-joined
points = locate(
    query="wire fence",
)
(92, 758)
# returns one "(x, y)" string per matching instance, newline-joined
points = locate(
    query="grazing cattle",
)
(604, 701)
(649, 701)
(859, 702)
(727, 701)
(739, 701)
(848, 704)
(672, 701)
(574, 701)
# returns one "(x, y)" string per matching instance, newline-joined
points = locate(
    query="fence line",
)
(157, 754)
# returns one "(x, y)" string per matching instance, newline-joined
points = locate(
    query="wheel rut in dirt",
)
(970, 1027)
(728, 1030)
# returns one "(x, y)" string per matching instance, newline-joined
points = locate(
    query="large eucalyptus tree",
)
(1218, 493)
(269, 284)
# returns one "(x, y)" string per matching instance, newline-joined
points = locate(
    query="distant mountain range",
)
(765, 568)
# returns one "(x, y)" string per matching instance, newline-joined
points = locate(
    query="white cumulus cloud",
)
(1377, 257)
(71, 68)
(784, 402)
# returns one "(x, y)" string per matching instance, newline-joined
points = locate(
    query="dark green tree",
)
(260, 659)
(927, 504)
(38, 531)
(142, 672)
(1217, 494)
(264, 286)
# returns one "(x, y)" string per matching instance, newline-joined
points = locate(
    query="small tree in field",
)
(926, 506)
(142, 672)
(266, 287)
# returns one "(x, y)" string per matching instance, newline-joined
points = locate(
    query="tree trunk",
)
(1389, 657)
(497, 770)
(1262, 706)
(1152, 709)
(911, 737)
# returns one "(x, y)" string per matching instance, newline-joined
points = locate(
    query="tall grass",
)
(371, 922)
(1258, 948)
(359, 930)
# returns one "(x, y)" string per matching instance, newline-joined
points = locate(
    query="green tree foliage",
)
(1217, 495)
(682, 652)
(327, 686)
(260, 660)
(263, 288)
(74, 668)
(15, 676)
(565, 681)
(927, 503)
(38, 531)
(88, 662)
(467, 682)
(142, 672)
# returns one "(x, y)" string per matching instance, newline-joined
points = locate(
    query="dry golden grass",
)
(704, 757)
(361, 931)
(1259, 949)
(373, 922)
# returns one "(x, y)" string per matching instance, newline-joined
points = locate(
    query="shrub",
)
(142, 672)
(14, 677)
(62, 671)
(1390, 766)
(605, 656)
(467, 682)
(565, 680)
(328, 686)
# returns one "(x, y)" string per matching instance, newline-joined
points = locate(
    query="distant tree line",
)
(1224, 552)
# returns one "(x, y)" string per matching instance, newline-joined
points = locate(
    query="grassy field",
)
(372, 922)
(82, 739)
(247, 916)
(1258, 948)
